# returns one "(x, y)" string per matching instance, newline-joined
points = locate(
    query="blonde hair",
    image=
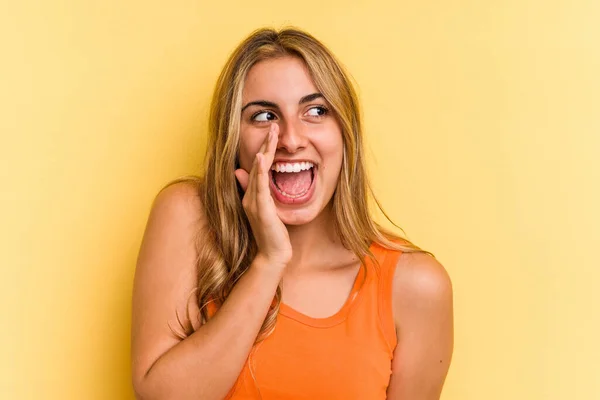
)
(228, 247)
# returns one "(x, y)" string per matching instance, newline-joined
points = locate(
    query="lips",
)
(287, 199)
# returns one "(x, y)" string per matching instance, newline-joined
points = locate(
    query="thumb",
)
(242, 177)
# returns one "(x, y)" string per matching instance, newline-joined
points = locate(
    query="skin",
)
(423, 314)
(422, 290)
(307, 131)
(296, 246)
(303, 131)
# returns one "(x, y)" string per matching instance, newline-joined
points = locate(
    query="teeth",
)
(292, 167)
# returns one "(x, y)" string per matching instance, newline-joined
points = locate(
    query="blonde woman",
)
(267, 278)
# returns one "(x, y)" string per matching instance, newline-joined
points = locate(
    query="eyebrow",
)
(265, 103)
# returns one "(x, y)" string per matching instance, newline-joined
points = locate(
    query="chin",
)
(300, 216)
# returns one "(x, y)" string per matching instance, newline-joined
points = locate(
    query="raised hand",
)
(270, 233)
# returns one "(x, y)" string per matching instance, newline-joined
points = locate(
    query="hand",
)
(270, 233)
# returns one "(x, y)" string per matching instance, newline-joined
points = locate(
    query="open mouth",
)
(293, 180)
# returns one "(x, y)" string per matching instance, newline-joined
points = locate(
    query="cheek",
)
(249, 146)
(336, 166)
(332, 152)
(333, 149)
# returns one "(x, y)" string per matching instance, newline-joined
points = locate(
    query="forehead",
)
(285, 79)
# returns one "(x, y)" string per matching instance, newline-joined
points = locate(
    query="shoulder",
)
(169, 245)
(177, 207)
(421, 284)
(175, 220)
(165, 273)
(176, 217)
(423, 316)
(180, 199)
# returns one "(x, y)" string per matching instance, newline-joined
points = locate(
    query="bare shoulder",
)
(165, 273)
(180, 200)
(420, 283)
(169, 246)
(423, 313)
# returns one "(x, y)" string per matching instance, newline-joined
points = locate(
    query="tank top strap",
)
(388, 260)
(211, 308)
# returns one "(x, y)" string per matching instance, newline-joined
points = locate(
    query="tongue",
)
(293, 182)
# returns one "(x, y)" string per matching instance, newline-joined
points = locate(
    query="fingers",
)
(257, 181)
(262, 178)
(242, 177)
(265, 142)
(272, 145)
(265, 162)
(252, 178)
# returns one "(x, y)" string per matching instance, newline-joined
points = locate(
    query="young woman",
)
(289, 289)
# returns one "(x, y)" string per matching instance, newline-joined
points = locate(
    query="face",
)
(280, 91)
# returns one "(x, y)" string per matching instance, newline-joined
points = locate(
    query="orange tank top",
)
(345, 356)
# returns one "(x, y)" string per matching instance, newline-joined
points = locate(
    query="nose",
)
(291, 136)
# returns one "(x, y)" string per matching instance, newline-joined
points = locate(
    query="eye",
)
(318, 111)
(263, 116)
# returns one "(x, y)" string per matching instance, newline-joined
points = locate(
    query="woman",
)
(289, 288)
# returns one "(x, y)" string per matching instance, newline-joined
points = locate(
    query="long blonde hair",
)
(228, 247)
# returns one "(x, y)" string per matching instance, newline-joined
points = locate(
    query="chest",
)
(320, 294)
(301, 362)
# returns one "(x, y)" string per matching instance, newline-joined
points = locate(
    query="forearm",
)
(207, 363)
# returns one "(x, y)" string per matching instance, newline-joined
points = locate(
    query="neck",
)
(313, 241)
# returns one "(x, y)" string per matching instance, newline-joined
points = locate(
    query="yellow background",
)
(483, 128)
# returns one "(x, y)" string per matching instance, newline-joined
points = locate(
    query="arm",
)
(423, 312)
(206, 364)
